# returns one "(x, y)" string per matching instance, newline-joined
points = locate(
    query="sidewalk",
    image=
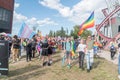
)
(106, 55)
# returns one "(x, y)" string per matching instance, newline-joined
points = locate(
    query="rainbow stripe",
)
(89, 23)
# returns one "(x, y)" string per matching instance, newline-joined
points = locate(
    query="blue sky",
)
(48, 15)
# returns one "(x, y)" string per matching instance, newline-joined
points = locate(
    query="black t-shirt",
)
(16, 43)
(29, 47)
(45, 45)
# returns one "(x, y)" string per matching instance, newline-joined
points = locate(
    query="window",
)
(0, 13)
(4, 15)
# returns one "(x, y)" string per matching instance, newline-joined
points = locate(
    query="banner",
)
(25, 31)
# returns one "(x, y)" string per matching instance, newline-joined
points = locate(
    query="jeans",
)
(40, 53)
(112, 55)
(81, 59)
(28, 55)
(119, 64)
(89, 59)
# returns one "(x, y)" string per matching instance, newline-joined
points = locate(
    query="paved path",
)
(106, 55)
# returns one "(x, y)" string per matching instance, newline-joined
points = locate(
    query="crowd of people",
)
(70, 48)
(46, 46)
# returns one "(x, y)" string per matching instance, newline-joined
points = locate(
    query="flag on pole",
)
(89, 23)
(25, 31)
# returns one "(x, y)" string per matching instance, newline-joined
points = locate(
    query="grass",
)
(22, 70)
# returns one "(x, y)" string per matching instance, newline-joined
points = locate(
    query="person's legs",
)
(68, 58)
(30, 55)
(111, 55)
(20, 52)
(91, 59)
(27, 55)
(119, 66)
(82, 60)
(49, 58)
(33, 53)
(13, 55)
(43, 60)
(88, 61)
(17, 54)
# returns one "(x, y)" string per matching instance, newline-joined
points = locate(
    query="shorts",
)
(44, 52)
(67, 54)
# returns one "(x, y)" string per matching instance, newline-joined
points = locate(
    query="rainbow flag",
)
(89, 23)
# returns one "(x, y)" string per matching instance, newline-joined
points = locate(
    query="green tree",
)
(51, 34)
(54, 34)
(86, 33)
(75, 31)
(71, 33)
(63, 33)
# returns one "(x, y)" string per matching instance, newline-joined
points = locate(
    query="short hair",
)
(15, 36)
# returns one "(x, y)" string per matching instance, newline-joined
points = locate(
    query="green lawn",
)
(22, 70)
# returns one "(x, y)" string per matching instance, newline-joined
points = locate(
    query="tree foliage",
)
(85, 34)
(73, 33)
(51, 34)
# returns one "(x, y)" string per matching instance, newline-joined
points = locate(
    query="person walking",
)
(34, 43)
(89, 55)
(67, 51)
(29, 51)
(82, 50)
(15, 48)
(113, 49)
(44, 47)
(119, 59)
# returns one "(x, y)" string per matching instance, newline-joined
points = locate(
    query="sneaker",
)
(49, 64)
(45, 63)
(69, 66)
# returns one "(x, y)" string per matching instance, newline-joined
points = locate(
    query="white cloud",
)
(79, 12)
(55, 4)
(35, 22)
(16, 5)
(19, 18)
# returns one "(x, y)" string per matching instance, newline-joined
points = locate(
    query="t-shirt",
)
(16, 43)
(90, 45)
(81, 47)
(67, 46)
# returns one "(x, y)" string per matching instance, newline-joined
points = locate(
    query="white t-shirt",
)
(81, 47)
